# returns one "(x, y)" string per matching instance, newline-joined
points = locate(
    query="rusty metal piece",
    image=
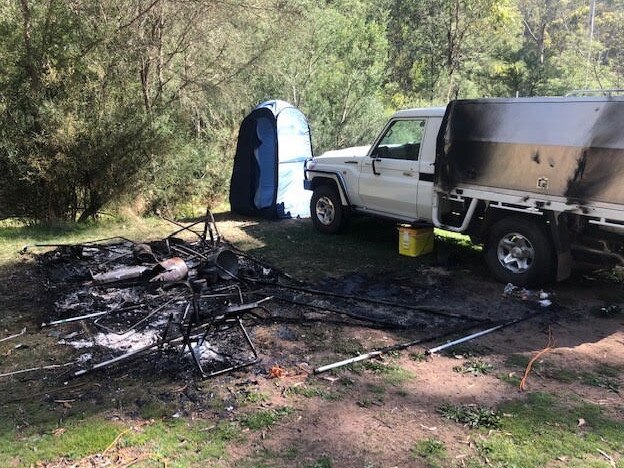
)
(171, 269)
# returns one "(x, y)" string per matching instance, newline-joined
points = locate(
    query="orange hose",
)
(549, 346)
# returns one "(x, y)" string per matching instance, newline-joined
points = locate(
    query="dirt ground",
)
(370, 414)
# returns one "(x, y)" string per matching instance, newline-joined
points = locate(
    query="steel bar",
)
(74, 319)
(32, 369)
(387, 349)
(361, 357)
(188, 228)
(429, 310)
(409, 344)
(13, 336)
(464, 339)
(118, 358)
(137, 323)
(481, 333)
(88, 316)
(378, 322)
(92, 243)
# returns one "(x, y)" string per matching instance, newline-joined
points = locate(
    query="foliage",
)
(471, 415)
(474, 367)
(126, 102)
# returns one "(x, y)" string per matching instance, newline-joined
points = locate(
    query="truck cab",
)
(392, 178)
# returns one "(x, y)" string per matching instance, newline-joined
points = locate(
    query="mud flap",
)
(561, 242)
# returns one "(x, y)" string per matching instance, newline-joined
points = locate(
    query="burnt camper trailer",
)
(537, 181)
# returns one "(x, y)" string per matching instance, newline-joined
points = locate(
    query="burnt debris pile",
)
(174, 296)
(186, 301)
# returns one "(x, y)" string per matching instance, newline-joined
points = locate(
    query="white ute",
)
(535, 180)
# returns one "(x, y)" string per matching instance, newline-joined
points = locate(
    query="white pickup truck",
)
(537, 181)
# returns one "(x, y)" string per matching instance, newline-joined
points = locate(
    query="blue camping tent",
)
(267, 177)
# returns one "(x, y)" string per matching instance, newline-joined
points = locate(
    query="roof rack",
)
(596, 92)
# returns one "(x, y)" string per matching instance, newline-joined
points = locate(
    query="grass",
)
(474, 367)
(418, 356)
(311, 391)
(613, 385)
(471, 415)
(543, 430)
(365, 247)
(263, 419)
(390, 373)
(510, 378)
(160, 440)
(432, 451)
(322, 462)
(252, 397)
(602, 376)
(15, 236)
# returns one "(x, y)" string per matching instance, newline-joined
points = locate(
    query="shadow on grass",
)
(367, 246)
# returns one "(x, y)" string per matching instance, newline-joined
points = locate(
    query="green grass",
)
(390, 373)
(518, 360)
(432, 451)
(543, 429)
(252, 397)
(608, 383)
(322, 462)
(263, 419)
(474, 367)
(471, 415)
(161, 440)
(418, 356)
(366, 246)
(15, 236)
(311, 391)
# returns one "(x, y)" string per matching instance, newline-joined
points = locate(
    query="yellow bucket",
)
(415, 241)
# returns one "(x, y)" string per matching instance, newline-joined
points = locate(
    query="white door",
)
(389, 178)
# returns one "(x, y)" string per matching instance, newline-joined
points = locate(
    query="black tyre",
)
(328, 214)
(520, 251)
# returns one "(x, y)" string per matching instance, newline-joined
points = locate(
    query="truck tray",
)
(565, 147)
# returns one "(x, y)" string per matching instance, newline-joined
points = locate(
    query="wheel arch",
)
(332, 180)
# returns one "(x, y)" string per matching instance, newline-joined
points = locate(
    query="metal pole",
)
(387, 349)
(409, 344)
(464, 339)
(32, 369)
(74, 319)
(13, 336)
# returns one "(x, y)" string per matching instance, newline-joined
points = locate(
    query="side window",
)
(402, 140)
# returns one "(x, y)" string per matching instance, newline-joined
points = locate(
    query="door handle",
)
(408, 174)
(350, 162)
(374, 170)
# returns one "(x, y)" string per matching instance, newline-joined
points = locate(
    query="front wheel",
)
(519, 251)
(328, 214)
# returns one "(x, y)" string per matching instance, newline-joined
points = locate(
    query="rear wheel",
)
(519, 251)
(328, 214)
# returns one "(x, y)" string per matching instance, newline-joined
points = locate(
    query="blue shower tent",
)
(267, 177)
